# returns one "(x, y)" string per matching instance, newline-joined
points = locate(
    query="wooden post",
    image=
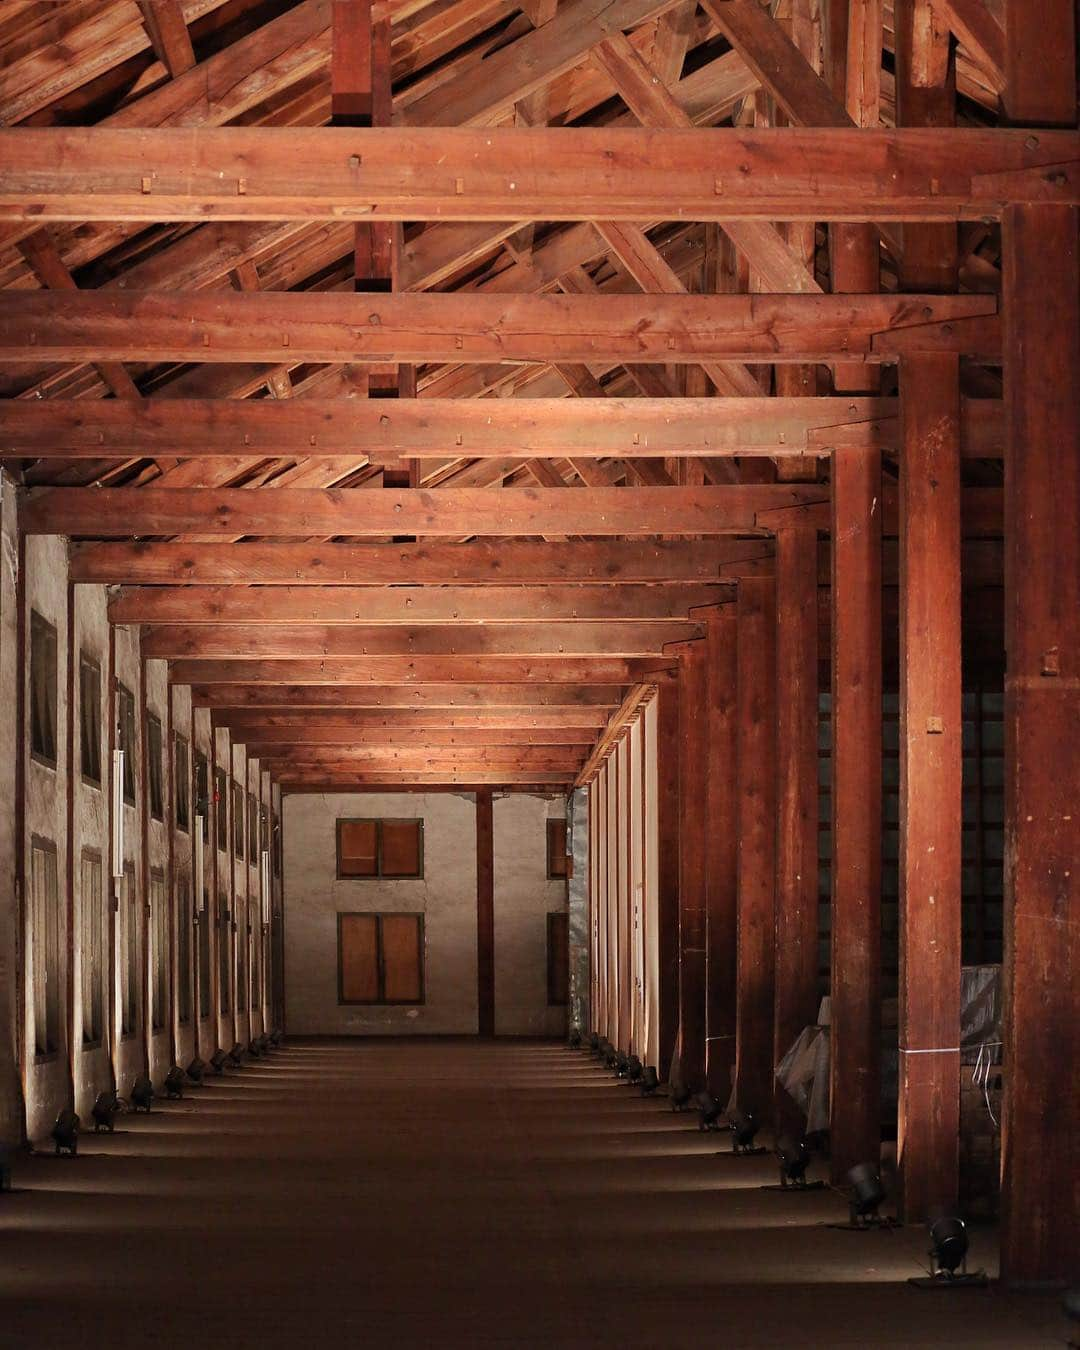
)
(721, 835)
(485, 914)
(668, 831)
(1041, 1124)
(796, 998)
(693, 769)
(855, 1062)
(930, 786)
(1040, 1195)
(756, 697)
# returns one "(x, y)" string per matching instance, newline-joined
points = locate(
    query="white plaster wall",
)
(90, 831)
(523, 899)
(47, 1077)
(446, 896)
(157, 843)
(11, 1114)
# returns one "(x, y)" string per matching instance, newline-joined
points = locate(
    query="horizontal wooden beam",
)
(256, 641)
(436, 700)
(423, 758)
(268, 738)
(627, 712)
(120, 512)
(233, 326)
(514, 561)
(326, 779)
(408, 670)
(368, 605)
(456, 173)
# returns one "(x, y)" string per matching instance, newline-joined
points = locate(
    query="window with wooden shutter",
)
(92, 945)
(42, 690)
(159, 955)
(556, 850)
(155, 751)
(181, 783)
(221, 809)
(125, 729)
(183, 948)
(380, 958)
(45, 946)
(392, 849)
(238, 820)
(558, 955)
(129, 955)
(90, 720)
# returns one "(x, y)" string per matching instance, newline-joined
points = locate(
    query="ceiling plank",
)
(342, 327)
(532, 671)
(459, 173)
(267, 738)
(433, 704)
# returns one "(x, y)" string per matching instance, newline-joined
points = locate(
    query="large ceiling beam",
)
(448, 512)
(267, 739)
(446, 327)
(456, 173)
(256, 641)
(449, 605)
(569, 725)
(533, 671)
(326, 778)
(432, 703)
(505, 562)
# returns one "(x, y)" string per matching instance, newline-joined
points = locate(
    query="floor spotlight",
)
(622, 1064)
(142, 1094)
(264, 1043)
(794, 1157)
(574, 1039)
(65, 1133)
(104, 1111)
(174, 1083)
(5, 1169)
(650, 1081)
(634, 1069)
(196, 1071)
(948, 1257)
(708, 1111)
(276, 1036)
(236, 1055)
(611, 1056)
(594, 1043)
(254, 1048)
(218, 1060)
(678, 1093)
(1070, 1306)
(867, 1194)
(744, 1128)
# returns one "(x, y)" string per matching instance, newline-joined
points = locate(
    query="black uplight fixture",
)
(218, 1060)
(794, 1157)
(867, 1194)
(634, 1069)
(678, 1093)
(744, 1128)
(611, 1056)
(574, 1039)
(142, 1094)
(104, 1111)
(709, 1111)
(236, 1055)
(276, 1037)
(65, 1133)
(948, 1258)
(174, 1083)
(255, 1049)
(650, 1081)
(594, 1043)
(196, 1071)
(622, 1064)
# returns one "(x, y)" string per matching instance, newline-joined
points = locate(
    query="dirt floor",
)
(459, 1193)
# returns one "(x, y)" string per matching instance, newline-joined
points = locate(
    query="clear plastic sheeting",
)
(980, 1011)
(803, 1072)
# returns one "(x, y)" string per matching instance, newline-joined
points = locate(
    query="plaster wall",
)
(524, 896)
(11, 1107)
(131, 1047)
(157, 861)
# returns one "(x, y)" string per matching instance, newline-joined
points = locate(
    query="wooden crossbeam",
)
(444, 327)
(236, 641)
(435, 428)
(417, 670)
(453, 512)
(421, 757)
(455, 173)
(511, 561)
(439, 702)
(327, 725)
(627, 711)
(326, 778)
(447, 605)
(267, 739)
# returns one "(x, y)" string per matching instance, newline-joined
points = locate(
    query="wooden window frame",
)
(47, 1031)
(378, 916)
(185, 943)
(158, 930)
(378, 822)
(181, 783)
(41, 628)
(201, 794)
(564, 875)
(155, 768)
(127, 736)
(252, 829)
(552, 1001)
(89, 666)
(129, 956)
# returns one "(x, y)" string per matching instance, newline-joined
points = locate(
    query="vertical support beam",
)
(667, 899)
(693, 768)
(855, 1068)
(1040, 1182)
(796, 1000)
(931, 762)
(756, 712)
(485, 914)
(1040, 1195)
(722, 840)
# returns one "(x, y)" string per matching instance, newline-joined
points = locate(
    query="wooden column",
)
(756, 713)
(693, 770)
(855, 1063)
(931, 762)
(667, 817)
(796, 999)
(1041, 277)
(721, 835)
(485, 914)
